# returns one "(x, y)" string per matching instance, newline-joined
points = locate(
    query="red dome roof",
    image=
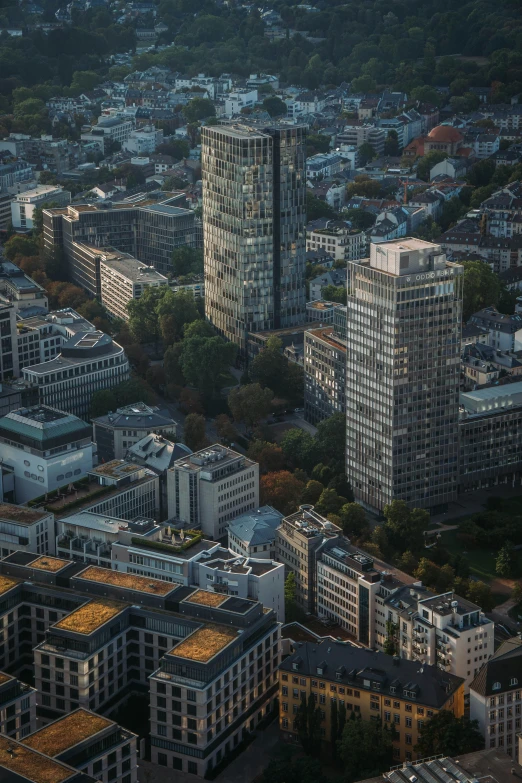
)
(445, 134)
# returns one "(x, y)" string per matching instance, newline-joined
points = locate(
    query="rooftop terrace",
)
(66, 732)
(31, 765)
(91, 616)
(128, 581)
(204, 643)
(116, 468)
(19, 514)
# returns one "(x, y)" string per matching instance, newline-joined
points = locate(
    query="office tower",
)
(254, 214)
(8, 342)
(404, 315)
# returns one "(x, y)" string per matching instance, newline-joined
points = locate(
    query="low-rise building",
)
(323, 165)
(505, 331)
(143, 141)
(20, 289)
(122, 279)
(45, 448)
(495, 698)
(116, 432)
(335, 277)
(25, 529)
(338, 240)
(321, 311)
(240, 99)
(24, 204)
(211, 487)
(369, 684)
(253, 534)
(17, 707)
(88, 362)
(325, 374)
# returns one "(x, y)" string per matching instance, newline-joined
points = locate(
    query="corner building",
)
(254, 206)
(404, 314)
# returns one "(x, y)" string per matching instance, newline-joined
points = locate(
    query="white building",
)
(116, 128)
(20, 289)
(240, 99)
(88, 362)
(253, 534)
(211, 487)
(323, 165)
(207, 85)
(123, 278)
(339, 241)
(143, 141)
(495, 698)
(25, 529)
(24, 204)
(40, 337)
(45, 448)
(505, 331)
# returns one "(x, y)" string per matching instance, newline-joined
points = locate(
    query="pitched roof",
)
(504, 668)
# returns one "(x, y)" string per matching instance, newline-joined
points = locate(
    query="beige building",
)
(339, 241)
(124, 278)
(17, 707)
(211, 487)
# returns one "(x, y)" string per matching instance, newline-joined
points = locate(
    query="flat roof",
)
(205, 642)
(29, 764)
(52, 564)
(5, 677)
(21, 515)
(66, 732)
(127, 581)
(6, 583)
(117, 468)
(129, 267)
(89, 617)
(206, 598)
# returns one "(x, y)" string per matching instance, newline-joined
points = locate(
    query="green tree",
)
(187, 260)
(312, 492)
(20, 245)
(143, 318)
(482, 287)
(365, 749)
(308, 724)
(363, 84)
(365, 153)
(84, 81)
(173, 312)
(293, 612)
(334, 293)
(299, 448)
(250, 403)
(426, 163)
(102, 402)
(331, 441)
(275, 106)
(329, 502)
(390, 643)
(408, 562)
(204, 362)
(480, 593)
(198, 109)
(317, 208)
(451, 736)
(172, 365)
(354, 521)
(505, 562)
(391, 145)
(516, 593)
(199, 328)
(427, 572)
(194, 431)
(269, 456)
(360, 219)
(405, 526)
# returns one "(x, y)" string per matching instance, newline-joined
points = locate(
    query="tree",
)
(360, 219)
(390, 643)
(199, 328)
(312, 492)
(102, 402)
(408, 562)
(187, 260)
(365, 749)
(405, 526)
(250, 403)
(366, 153)
(225, 429)
(269, 456)
(204, 360)
(143, 317)
(391, 145)
(354, 521)
(482, 287)
(282, 490)
(516, 593)
(363, 84)
(481, 173)
(426, 163)
(317, 208)
(333, 293)
(174, 311)
(480, 593)
(172, 365)
(308, 724)
(506, 559)
(299, 448)
(20, 245)
(275, 106)
(293, 612)
(198, 109)
(451, 736)
(331, 442)
(329, 502)
(427, 572)
(194, 431)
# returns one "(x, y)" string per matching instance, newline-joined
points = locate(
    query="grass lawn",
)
(481, 562)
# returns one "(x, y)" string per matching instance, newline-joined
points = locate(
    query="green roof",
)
(43, 430)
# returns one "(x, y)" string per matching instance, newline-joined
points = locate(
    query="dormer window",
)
(513, 681)
(320, 670)
(393, 689)
(496, 686)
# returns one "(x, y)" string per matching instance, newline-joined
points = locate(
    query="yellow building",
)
(399, 693)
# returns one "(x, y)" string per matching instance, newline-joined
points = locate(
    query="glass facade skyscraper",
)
(254, 218)
(404, 314)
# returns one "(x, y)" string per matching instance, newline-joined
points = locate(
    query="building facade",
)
(116, 432)
(8, 342)
(404, 315)
(254, 206)
(25, 529)
(17, 707)
(325, 374)
(122, 279)
(24, 204)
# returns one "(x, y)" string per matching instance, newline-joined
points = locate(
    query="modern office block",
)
(404, 314)
(25, 529)
(124, 278)
(8, 342)
(254, 207)
(209, 488)
(325, 374)
(17, 707)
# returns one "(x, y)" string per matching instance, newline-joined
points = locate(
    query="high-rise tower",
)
(254, 216)
(404, 316)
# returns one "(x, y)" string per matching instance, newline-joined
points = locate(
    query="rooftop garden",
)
(206, 598)
(204, 643)
(4, 677)
(66, 732)
(115, 468)
(6, 583)
(28, 764)
(19, 514)
(148, 543)
(91, 616)
(128, 581)
(51, 564)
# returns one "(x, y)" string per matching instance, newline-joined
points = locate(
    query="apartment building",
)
(148, 231)
(93, 744)
(505, 331)
(25, 529)
(325, 374)
(40, 337)
(338, 240)
(108, 129)
(323, 165)
(87, 363)
(204, 657)
(495, 698)
(299, 540)
(402, 375)
(442, 630)
(122, 279)
(19, 763)
(20, 289)
(362, 133)
(24, 204)
(8, 341)
(370, 684)
(211, 487)
(143, 141)
(116, 432)
(17, 707)
(490, 427)
(253, 534)
(44, 448)
(254, 208)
